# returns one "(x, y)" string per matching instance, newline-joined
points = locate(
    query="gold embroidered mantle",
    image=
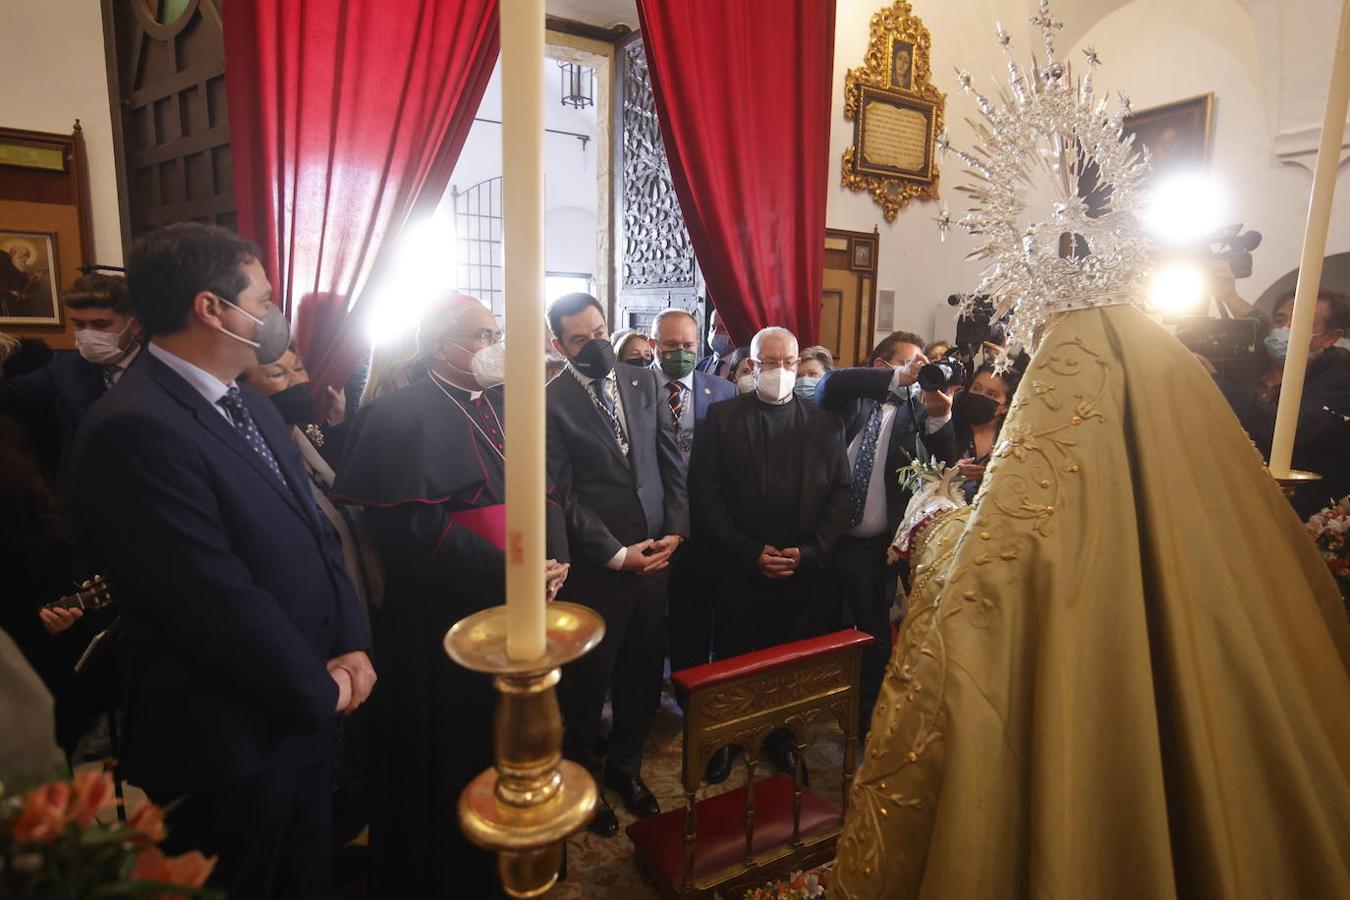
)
(1124, 669)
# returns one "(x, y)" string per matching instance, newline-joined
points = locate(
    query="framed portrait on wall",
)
(45, 230)
(1177, 135)
(30, 291)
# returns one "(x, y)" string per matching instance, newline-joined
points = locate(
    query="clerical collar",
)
(472, 395)
(784, 402)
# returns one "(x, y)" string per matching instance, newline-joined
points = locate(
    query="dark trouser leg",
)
(635, 680)
(272, 832)
(581, 693)
(858, 569)
(690, 609)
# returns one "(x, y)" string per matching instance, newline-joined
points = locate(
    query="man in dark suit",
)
(688, 395)
(54, 398)
(770, 483)
(718, 362)
(246, 639)
(884, 426)
(621, 481)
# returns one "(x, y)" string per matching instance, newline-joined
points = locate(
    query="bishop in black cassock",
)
(427, 463)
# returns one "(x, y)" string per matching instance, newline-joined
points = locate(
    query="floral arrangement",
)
(798, 886)
(1328, 529)
(53, 846)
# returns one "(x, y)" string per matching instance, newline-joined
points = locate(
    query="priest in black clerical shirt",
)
(427, 462)
(769, 481)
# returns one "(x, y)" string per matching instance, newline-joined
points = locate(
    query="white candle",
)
(522, 30)
(1314, 248)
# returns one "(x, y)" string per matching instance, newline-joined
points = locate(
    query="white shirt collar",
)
(209, 386)
(586, 379)
(473, 395)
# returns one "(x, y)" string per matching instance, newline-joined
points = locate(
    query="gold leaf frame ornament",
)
(894, 81)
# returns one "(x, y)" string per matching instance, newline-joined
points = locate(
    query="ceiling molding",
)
(611, 35)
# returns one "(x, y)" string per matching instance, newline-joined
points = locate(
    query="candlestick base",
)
(527, 805)
(1291, 482)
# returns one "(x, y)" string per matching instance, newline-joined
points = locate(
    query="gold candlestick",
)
(527, 805)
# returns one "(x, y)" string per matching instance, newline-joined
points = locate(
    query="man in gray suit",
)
(621, 480)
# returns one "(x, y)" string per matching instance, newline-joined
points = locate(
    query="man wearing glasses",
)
(427, 464)
(769, 480)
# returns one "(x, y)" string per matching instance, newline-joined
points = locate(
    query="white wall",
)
(913, 262)
(1156, 51)
(51, 61)
(1210, 45)
(570, 199)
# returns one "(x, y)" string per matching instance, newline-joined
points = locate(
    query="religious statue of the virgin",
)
(1125, 670)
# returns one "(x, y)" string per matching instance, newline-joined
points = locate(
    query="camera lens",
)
(935, 376)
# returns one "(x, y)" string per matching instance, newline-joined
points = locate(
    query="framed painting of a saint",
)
(902, 64)
(29, 288)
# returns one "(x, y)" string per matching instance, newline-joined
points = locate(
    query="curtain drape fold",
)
(346, 120)
(742, 90)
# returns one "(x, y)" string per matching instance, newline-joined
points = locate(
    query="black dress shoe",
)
(605, 824)
(784, 759)
(719, 767)
(634, 794)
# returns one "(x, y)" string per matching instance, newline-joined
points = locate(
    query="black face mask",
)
(596, 359)
(973, 409)
(296, 405)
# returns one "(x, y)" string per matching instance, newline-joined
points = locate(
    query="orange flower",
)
(148, 819)
(93, 792)
(43, 816)
(189, 870)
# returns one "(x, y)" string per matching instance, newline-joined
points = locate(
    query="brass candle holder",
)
(532, 799)
(1296, 477)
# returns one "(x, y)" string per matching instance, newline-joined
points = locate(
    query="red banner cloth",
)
(346, 120)
(742, 91)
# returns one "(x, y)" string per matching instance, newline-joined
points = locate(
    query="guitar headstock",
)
(95, 593)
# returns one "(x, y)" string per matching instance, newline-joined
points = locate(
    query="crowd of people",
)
(283, 571)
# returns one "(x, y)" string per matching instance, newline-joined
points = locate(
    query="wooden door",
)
(848, 295)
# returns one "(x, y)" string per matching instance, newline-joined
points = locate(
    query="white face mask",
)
(489, 365)
(776, 385)
(102, 348)
(746, 383)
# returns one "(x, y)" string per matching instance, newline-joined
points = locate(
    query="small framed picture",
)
(862, 255)
(902, 65)
(1177, 135)
(30, 291)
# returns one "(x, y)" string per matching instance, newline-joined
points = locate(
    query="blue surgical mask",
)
(1277, 343)
(805, 388)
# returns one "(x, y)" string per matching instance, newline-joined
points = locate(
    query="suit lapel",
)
(280, 443)
(592, 417)
(631, 394)
(218, 425)
(754, 440)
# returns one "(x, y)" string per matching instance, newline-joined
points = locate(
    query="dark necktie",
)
(108, 380)
(233, 404)
(676, 401)
(862, 466)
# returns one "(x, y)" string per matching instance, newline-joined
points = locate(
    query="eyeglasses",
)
(483, 336)
(768, 365)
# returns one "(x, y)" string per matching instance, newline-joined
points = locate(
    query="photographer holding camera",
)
(885, 424)
(1322, 439)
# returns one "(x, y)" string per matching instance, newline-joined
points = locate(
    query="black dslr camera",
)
(973, 331)
(1235, 247)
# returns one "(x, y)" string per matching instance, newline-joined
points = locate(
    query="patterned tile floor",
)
(606, 868)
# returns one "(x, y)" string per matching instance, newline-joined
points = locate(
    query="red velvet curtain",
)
(742, 91)
(346, 119)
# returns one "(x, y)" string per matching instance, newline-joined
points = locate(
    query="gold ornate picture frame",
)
(896, 113)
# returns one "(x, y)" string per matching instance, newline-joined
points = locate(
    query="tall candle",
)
(522, 30)
(1314, 248)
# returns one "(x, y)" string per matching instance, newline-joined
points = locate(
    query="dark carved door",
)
(654, 258)
(171, 135)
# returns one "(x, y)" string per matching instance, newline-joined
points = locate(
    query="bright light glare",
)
(1178, 288)
(1185, 208)
(423, 269)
